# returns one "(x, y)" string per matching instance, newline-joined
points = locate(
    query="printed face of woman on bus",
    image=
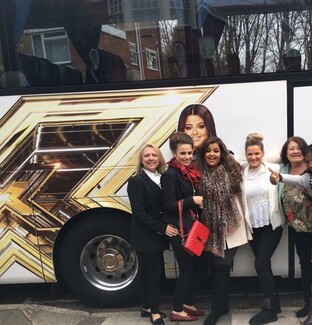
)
(254, 155)
(195, 127)
(213, 155)
(184, 154)
(294, 153)
(150, 159)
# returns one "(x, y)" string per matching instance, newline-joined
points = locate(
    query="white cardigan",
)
(242, 234)
(276, 217)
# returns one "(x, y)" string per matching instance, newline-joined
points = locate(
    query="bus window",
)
(67, 42)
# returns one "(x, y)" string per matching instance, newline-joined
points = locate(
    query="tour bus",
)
(85, 84)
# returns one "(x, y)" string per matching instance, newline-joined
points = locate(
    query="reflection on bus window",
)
(67, 42)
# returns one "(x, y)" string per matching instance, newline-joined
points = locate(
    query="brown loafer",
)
(179, 318)
(193, 312)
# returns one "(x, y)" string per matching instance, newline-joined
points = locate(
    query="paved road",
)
(39, 315)
(75, 313)
(35, 305)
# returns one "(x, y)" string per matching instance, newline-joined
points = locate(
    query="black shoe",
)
(265, 316)
(158, 321)
(146, 313)
(214, 315)
(308, 321)
(303, 312)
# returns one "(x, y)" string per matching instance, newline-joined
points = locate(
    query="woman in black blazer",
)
(147, 228)
(179, 182)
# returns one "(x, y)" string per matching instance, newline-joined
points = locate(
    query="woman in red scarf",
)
(180, 182)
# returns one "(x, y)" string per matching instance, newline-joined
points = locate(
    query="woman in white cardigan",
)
(260, 200)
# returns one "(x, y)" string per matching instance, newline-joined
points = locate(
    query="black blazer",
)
(174, 188)
(147, 228)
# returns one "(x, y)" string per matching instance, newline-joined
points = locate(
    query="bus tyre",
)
(97, 262)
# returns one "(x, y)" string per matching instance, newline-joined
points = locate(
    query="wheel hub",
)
(109, 262)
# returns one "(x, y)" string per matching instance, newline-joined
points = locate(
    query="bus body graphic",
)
(85, 84)
(64, 155)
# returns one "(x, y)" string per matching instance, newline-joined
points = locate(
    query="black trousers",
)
(221, 271)
(303, 243)
(151, 272)
(190, 275)
(263, 245)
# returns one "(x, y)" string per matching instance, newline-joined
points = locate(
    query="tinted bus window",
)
(70, 42)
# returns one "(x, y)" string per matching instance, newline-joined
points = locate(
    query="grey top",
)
(298, 180)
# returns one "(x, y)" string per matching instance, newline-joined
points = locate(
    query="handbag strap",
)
(180, 210)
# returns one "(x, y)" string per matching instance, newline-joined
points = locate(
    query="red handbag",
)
(195, 241)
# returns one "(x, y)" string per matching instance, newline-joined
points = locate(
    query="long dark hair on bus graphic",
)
(197, 121)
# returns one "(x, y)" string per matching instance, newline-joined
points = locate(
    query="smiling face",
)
(150, 159)
(213, 155)
(184, 154)
(254, 155)
(294, 153)
(195, 127)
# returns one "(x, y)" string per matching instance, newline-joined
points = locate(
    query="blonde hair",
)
(162, 163)
(254, 139)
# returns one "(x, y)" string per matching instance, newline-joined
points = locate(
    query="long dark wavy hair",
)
(201, 111)
(231, 166)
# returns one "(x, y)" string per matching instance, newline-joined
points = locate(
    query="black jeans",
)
(190, 275)
(151, 271)
(263, 245)
(303, 243)
(221, 270)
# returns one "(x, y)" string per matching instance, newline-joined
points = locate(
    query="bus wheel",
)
(98, 263)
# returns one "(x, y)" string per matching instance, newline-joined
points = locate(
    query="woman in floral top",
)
(296, 205)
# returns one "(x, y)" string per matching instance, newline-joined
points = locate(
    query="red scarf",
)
(189, 172)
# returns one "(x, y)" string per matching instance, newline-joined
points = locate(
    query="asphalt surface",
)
(24, 305)
(45, 313)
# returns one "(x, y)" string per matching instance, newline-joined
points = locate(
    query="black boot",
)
(303, 312)
(214, 315)
(220, 294)
(308, 321)
(276, 303)
(266, 315)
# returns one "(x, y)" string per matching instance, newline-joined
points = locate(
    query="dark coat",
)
(147, 228)
(174, 188)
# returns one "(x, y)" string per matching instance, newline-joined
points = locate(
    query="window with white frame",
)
(115, 11)
(151, 59)
(146, 11)
(52, 45)
(133, 54)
